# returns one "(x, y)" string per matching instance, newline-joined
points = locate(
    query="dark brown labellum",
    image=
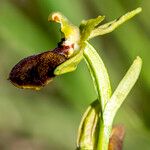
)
(36, 71)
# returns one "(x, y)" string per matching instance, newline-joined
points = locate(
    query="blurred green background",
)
(48, 119)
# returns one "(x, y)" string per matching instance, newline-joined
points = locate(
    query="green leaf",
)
(99, 74)
(122, 90)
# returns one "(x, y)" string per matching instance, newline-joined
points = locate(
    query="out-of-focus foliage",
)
(48, 119)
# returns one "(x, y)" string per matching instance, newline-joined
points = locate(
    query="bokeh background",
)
(48, 119)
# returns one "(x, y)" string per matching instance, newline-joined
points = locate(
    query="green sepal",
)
(89, 126)
(112, 25)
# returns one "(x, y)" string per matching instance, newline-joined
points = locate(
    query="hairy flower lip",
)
(36, 71)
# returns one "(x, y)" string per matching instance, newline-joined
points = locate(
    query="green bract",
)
(89, 127)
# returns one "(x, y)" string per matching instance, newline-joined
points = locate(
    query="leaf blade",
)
(122, 90)
(99, 73)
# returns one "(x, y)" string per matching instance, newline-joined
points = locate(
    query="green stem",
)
(104, 135)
